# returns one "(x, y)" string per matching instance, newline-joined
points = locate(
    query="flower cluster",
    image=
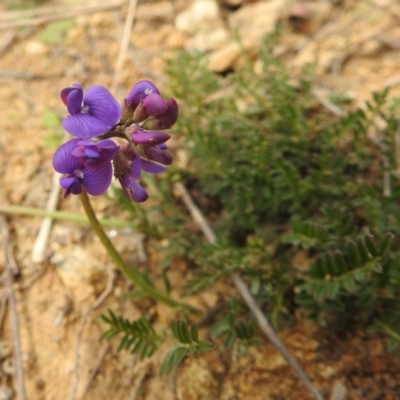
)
(94, 118)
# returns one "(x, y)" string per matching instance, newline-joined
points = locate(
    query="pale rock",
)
(256, 20)
(199, 14)
(225, 58)
(209, 40)
(36, 48)
(204, 25)
(339, 391)
(251, 23)
(175, 40)
(79, 271)
(326, 371)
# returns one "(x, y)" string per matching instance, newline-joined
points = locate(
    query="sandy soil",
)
(56, 298)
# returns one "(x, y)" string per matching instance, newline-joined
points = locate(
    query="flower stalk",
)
(131, 274)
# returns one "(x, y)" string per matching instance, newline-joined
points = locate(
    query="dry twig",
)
(62, 14)
(263, 322)
(9, 260)
(7, 39)
(95, 369)
(3, 304)
(124, 44)
(40, 246)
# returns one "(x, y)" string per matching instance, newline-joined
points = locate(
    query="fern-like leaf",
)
(138, 336)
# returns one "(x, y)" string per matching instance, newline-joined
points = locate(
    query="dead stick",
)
(95, 369)
(7, 39)
(246, 295)
(124, 44)
(62, 15)
(13, 312)
(40, 246)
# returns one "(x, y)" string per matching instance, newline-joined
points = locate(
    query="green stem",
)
(131, 274)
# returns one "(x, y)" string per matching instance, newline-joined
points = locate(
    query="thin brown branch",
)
(3, 305)
(63, 13)
(123, 49)
(262, 320)
(7, 39)
(95, 369)
(40, 246)
(9, 260)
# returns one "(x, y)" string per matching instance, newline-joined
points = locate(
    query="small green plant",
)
(138, 336)
(280, 179)
(189, 344)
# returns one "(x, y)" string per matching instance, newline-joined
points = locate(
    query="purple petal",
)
(136, 167)
(84, 126)
(71, 184)
(149, 138)
(77, 97)
(101, 145)
(79, 151)
(156, 154)
(102, 105)
(63, 160)
(91, 152)
(97, 180)
(154, 104)
(74, 101)
(169, 118)
(133, 189)
(139, 91)
(151, 167)
(128, 153)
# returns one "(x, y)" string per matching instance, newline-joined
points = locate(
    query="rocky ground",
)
(60, 295)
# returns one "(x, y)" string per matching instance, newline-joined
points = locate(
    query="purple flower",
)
(92, 113)
(138, 92)
(128, 178)
(150, 106)
(144, 138)
(138, 163)
(95, 180)
(158, 154)
(93, 154)
(164, 120)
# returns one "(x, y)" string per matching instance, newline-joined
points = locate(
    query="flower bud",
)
(139, 136)
(138, 92)
(128, 179)
(156, 154)
(164, 120)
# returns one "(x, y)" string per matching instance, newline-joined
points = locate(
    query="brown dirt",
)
(53, 297)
